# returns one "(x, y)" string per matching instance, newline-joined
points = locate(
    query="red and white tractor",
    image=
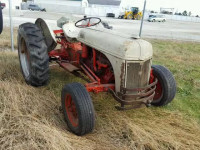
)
(109, 61)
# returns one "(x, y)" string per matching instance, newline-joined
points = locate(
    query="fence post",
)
(11, 25)
(142, 19)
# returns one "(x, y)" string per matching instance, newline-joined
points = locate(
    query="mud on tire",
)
(33, 55)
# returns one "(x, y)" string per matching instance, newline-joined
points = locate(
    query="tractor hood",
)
(116, 44)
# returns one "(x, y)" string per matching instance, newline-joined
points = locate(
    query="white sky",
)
(179, 5)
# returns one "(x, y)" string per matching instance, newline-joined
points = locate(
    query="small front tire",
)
(78, 109)
(166, 86)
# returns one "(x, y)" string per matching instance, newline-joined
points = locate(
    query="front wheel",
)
(166, 86)
(130, 16)
(78, 108)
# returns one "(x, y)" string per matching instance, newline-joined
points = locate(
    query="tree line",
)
(184, 13)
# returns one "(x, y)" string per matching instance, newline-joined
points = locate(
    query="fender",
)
(48, 34)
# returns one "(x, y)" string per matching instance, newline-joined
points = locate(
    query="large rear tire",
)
(166, 86)
(33, 55)
(78, 109)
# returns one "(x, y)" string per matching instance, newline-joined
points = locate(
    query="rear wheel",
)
(33, 55)
(78, 109)
(139, 17)
(166, 86)
(130, 16)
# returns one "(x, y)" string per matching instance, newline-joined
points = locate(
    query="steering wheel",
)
(88, 22)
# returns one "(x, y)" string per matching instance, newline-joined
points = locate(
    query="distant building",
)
(102, 7)
(105, 2)
(85, 7)
(66, 6)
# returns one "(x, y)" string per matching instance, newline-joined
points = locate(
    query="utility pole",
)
(141, 26)
(11, 25)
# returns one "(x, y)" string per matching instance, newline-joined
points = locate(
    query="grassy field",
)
(5, 38)
(30, 117)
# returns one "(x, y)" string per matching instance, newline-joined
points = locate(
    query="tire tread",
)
(169, 84)
(85, 106)
(36, 46)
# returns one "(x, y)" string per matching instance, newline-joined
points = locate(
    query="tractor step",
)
(69, 67)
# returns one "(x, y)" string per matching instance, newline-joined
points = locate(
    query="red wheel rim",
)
(71, 110)
(159, 90)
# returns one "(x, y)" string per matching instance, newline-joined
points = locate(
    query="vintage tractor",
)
(109, 61)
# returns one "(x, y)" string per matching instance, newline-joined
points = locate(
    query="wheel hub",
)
(71, 110)
(25, 59)
(159, 91)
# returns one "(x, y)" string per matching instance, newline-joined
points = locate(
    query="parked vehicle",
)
(106, 60)
(1, 19)
(133, 13)
(112, 15)
(3, 5)
(156, 18)
(34, 7)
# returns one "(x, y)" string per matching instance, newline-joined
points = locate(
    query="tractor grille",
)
(137, 74)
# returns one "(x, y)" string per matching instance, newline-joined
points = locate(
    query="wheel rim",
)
(129, 17)
(24, 58)
(71, 110)
(159, 90)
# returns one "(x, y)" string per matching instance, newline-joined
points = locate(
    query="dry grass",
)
(182, 58)
(30, 117)
(5, 41)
